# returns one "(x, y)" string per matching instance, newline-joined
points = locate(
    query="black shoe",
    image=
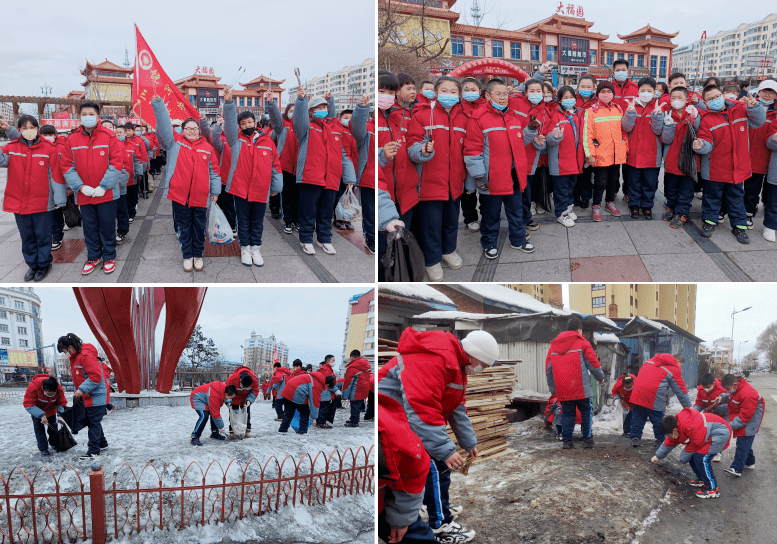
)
(196, 441)
(526, 248)
(568, 445)
(491, 253)
(656, 443)
(626, 433)
(120, 238)
(584, 204)
(532, 225)
(351, 424)
(295, 226)
(42, 273)
(678, 221)
(635, 442)
(89, 457)
(288, 229)
(370, 244)
(634, 213)
(707, 229)
(588, 443)
(30, 275)
(131, 219)
(276, 215)
(648, 214)
(749, 221)
(668, 214)
(56, 245)
(741, 235)
(45, 453)
(217, 436)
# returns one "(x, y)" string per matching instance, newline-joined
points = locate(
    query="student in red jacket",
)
(402, 469)
(586, 97)
(35, 187)
(621, 393)
(254, 175)
(363, 130)
(553, 415)
(356, 387)
(302, 393)
(288, 147)
(349, 144)
(760, 154)
(207, 401)
(435, 143)
(190, 177)
(497, 167)
(566, 158)
(141, 153)
(43, 399)
(648, 399)
(646, 124)
(247, 386)
(568, 366)
(48, 132)
(326, 367)
(322, 162)
(708, 394)
(429, 378)
(625, 90)
(745, 412)
(132, 165)
(471, 99)
(277, 377)
(92, 161)
(704, 436)
(91, 388)
(725, 148)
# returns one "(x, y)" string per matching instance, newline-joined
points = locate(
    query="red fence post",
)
(97, 497)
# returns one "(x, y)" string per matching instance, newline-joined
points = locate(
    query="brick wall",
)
(464, 303)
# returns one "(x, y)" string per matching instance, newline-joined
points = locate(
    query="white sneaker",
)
(434, 272)
(769, 234)
(474, 226)
(698, 195)
(188, 265)
(308, 248)
(570, 212)
(453, 532)
(256, 254)
(565, 220)
(199, 264)
(533, 208)
(329, 249)
(540, 210)
(716, 458)
(453, 260)
(65, 228)
(245, 256)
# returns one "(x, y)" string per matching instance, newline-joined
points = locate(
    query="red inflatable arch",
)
(490, 67)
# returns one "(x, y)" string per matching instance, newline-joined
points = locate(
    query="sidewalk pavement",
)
(151, 254)
(620, 250)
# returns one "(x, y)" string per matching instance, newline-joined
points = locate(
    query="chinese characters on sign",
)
(573, 51)
(205, 70)
(569, 10)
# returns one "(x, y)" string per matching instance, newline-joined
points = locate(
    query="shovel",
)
(296, 73)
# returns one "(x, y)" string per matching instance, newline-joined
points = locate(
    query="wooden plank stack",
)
(487, 395)
(387, 350)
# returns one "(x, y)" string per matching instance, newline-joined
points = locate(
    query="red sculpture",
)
(109, 313)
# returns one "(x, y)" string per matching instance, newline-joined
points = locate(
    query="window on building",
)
(653, 66)
(610, 58)
(5, 341)
(22, 330)
(593, 56)
(248, 102)
(597, 286)
(22, 343)
(497, 49)
(21, 318)
(620, 55)
(598, 302)
(662, 68)
(193, 100)
(2, 301)
(19, 304)
(457, 45)
(3, 315)
(552, 53)
(631, 301)
(631, 59)
(640, 61)
(515, 51)
(478, 47)
(535, 52)
(3, 328)
(242, 101)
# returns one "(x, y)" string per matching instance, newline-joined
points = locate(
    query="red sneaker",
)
(707, 493)
(596, 213)
(612, 209)
(109, 266)
(90, 266)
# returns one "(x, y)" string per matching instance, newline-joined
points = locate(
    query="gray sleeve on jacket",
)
(402, 509)
(549, 378)
(682, 396)
(110, 178)
(215, 139)
(667, 133)
(706, 148)
(205, 129)
(301, 119)
(685, 456)
(551, 140)
(629, 120)
(58, 190)
(434, 437)
(230, 122)
(276, 119)
(359, 122)
(771, 143)
(382, 161)
(387, 211)
(415, 152)
(215, 181)
(148, 144)
(164, 127)
(663, 450)
(719, 435)
(349, 174)
(529, 134)
(462, 428)
(276, 182)
(657, 122)
(72, 178)
(13, 133)
(137, 166)
(330, 107)
(34, 411)
(756, 116)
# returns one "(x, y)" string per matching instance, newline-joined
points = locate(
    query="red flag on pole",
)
(150, 76)
(275, 354)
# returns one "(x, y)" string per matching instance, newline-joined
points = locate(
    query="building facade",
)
(675, 303)
(107, 81)
(549, 293)
(724, 54)
(360, 326)
(20, 331)
(206, 93)
(259, 354)
(6, 111)
(347, 85)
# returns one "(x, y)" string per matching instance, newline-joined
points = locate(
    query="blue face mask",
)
(178, 130)
(765, 103)
(717, 105)
(319, 114)
(622, 75)
(89, 121)
(498, 107)
(586, 93)
(534, 98)
(568, 103)
(448, 100)
(471, 96)
(428, 93)
(122, 138)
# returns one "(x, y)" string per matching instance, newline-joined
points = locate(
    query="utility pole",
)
(126, 57)
(477, 14)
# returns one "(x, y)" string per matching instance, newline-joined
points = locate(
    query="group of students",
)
(724, 409)
(459, 143)
(307, 161)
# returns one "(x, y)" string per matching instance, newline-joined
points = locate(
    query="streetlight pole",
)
(735, 312)
(740, 349)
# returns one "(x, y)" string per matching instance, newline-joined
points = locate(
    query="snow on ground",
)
(160, 436)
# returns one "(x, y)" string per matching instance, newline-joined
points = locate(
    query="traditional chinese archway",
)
(123, 319)
(490, 67)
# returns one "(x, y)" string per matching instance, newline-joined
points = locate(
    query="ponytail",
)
(68, 340)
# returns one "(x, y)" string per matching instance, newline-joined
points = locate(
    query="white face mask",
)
(730, 96)
(627, 388)
(30, 134)
(645, 97)
(678, 104)
(52, 139)
(471, 370)
(708, 389)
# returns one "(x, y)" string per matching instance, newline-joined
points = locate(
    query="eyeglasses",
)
(192, 128)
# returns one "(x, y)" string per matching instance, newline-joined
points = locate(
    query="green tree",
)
(200, 350)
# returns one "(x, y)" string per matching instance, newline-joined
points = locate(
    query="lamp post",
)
(740, 350)
(735, 312)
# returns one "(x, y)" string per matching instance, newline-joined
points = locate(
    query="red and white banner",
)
(61, 115)
(275, 354)
(149, 78)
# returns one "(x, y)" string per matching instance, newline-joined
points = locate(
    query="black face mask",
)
(249, 131)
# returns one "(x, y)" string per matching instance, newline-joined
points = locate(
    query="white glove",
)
(668, 121)
(97, 192)
(338, 393)
(248, 403)
(692, 111)
(88, 191)
(223, 431)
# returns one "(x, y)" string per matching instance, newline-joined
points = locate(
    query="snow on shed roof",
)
(509, 297)
(606, 337)
(417, 291)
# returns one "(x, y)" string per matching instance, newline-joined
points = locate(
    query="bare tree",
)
(425, 44)
(200, 350)
(767, 342)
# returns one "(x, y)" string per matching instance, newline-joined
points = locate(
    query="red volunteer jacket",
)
(215, 392)
(90, 158)
(290, 149)
(85, 366)
(326, 370)
(292, 390)
(704, 399)
(672, 152)
(254, 170)
(619, 391)
(242, 394)
(525, 109)
(34, 396)
(443, 176)
(349, 142)
(357, 380)
(654, 380)
(277, 378)
(469, 107)
(644, 143)
(692, 426)
(401, 174)
(626, 91)
(727, 131)
(35, 183)
(746, 409)
(759, 153)
(190, 182)
(569, 361)
(129, 160)
(141, 152)
(553, 405)
(584, 104)
(568, 157)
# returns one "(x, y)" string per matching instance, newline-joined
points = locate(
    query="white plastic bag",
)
(219, 231)
(348, 209)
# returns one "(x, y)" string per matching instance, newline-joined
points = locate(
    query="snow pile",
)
(417, 291)
(606, 337)
(653, 516)
(505, 295)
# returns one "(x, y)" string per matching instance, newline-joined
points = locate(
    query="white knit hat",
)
(768, 84)
(317, 101)
(482, 346)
